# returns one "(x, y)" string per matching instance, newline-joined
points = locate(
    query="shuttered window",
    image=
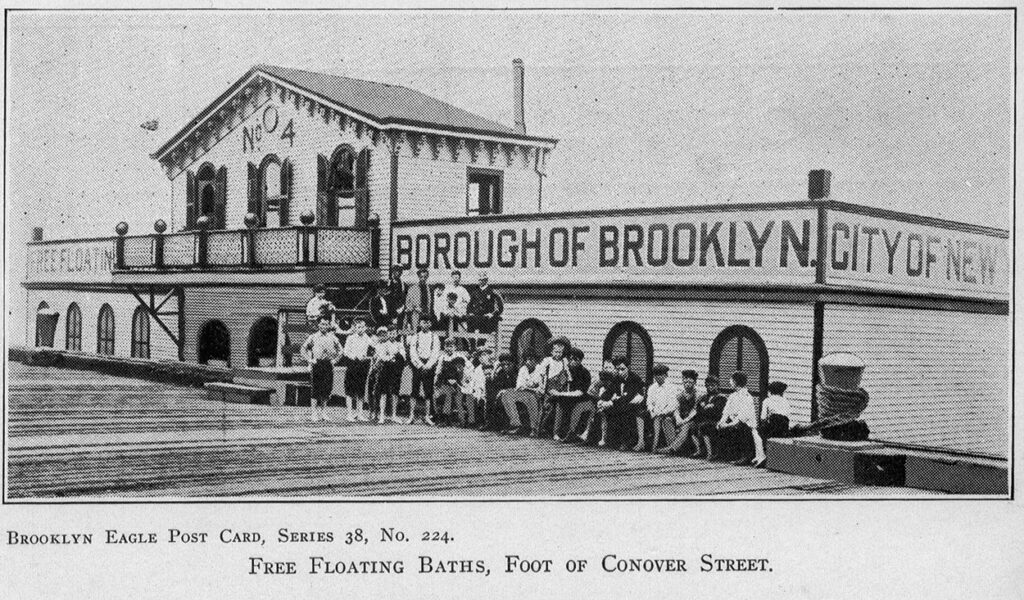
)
(632, 341)
(531, 335)
(105, 331)
(740, 348)
(73, 328)
(140, 333)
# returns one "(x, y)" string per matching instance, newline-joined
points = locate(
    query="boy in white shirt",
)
(775, 412)
(386, 373)
(529, 387)
(662, 404)
(741, 415)
(424, 351)
(358, 349)
(475, 390)
(321, 350)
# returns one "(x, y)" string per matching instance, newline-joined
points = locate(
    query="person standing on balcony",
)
(419, 301)
(321, 350)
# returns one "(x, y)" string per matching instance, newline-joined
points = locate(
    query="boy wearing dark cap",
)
(705, 415)
(567, 400)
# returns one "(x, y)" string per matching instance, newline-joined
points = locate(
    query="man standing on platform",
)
(485, 308)
(461, 293)
(419, 301)
(321, 350)
(396, 294)
(382, 309)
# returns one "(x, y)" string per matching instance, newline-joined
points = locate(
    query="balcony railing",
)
(248, 248)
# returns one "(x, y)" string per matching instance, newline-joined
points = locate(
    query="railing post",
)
(373, 224)
(306, 220)
(203, 240)
(158, 243)
(251, 222)
(121, 229)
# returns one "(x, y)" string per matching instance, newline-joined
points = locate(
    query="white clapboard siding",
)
(682, 333)
(936, 378)
(161, 347)
(238, 308)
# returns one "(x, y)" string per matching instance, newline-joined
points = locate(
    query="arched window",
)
(631, 340)
(206, 196)
(531, 335)
(274, 190)
(140, 333)
(739, 348)
(46, 325)
(73, 328)
(343, 188)
(215, 344)
(263, 343)
(105, 331)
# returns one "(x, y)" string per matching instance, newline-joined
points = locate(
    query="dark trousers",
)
(482, 324)
(423, 387)
(321, 379)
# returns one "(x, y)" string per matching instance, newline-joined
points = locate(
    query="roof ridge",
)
(336, 75)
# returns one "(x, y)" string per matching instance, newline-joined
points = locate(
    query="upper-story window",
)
(343, 194)
(206, 196)
(270, 187)
(483, 191)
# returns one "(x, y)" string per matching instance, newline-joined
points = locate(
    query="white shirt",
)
(527, 380)
(321, 346)
(476, 382)
(775, 405)
(550, 367)
(461, 299)
(388, 349)
(315, 307)
(740, 406)
(357, 347)
(661, 399)
(424, 348)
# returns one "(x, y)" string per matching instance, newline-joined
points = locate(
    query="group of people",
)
(450, 306)
(552, 396)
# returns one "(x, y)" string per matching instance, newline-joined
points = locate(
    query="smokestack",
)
(517, 94)
(37, 234)
(819, 184)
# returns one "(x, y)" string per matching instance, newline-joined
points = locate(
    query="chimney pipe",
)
(819, 184)
(37, 234)
(517, 94)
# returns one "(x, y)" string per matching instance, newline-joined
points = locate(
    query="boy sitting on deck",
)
(739, 419)
(448, 382)
(529, 387)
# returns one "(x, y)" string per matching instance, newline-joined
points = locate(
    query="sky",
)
(910, 110)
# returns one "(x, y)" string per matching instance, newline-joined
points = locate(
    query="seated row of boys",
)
(546, 397)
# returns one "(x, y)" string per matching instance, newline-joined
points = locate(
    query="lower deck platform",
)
(87, 435)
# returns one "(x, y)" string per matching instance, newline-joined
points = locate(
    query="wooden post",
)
(282, 319)
(121, 230)
(373, 224)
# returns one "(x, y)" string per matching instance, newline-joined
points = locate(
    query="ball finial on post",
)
(121, 228)
(251, 220)
(160, 226)
(203, 222)
(307, 217)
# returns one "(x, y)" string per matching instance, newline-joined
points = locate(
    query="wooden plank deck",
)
(92, 436)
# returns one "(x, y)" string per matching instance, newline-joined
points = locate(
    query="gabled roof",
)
(389, 106)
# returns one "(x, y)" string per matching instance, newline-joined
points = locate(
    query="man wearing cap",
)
(555, 373)
(485, 308)
(622, 404)
(419, 301)
(702, 419)
(382, 309)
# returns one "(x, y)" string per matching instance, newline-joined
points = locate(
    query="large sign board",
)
(869, 251)
(73, 261)
(743, 247)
